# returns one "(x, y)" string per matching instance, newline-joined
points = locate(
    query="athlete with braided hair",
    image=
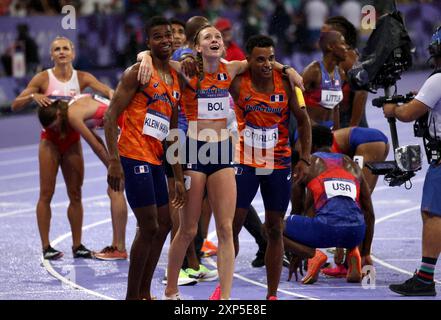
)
(205, 100)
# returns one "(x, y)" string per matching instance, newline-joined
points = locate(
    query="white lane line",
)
(54, 205)
(259, 284)
(49, 268)
(20, 293)
(64, 280)
(32, 159)
(389, 266)
(396, 239)
(396, 214)
(212, 235)
(384, 263)
(58, 186)
(19, 148)
(91, 164)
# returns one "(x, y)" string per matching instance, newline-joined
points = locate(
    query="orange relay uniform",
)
(263, 121)
(211, 100)
(147, 120)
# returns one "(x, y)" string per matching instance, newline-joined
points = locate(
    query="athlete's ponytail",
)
(200, 63)
(199, 59)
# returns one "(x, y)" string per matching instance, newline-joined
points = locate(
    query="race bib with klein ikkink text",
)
(156, 125)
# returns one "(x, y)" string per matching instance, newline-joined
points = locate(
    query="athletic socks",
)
(427, 269)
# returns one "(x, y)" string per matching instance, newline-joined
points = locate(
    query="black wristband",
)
(285, 67)
(305, 161)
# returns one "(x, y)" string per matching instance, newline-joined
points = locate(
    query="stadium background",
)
(108, 33)
(105, 44)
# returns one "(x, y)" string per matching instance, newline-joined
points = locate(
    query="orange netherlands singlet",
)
(147, 120)
(263, 120)
(211, 100)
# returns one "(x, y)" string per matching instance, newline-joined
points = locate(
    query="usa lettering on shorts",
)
(340, 187)
(213, 108)
(331, 98)
(156, 125)
(261, 138)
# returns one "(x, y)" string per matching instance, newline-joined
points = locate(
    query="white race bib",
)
(345, 188)
(213, 108)
(156, 125)
(260, 138)
(331, 98)
(101, 99)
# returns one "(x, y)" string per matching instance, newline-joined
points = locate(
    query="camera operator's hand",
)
(389, 110)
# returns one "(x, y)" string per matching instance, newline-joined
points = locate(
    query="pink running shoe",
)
(216, 295)
(272, 298)
(339, 271)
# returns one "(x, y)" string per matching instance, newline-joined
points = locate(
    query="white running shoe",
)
(183, 280)
(203, 274)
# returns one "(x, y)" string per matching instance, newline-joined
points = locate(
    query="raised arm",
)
(187, 66)
(32, 93)
(124, 93)
(295, 79)
(88, 80)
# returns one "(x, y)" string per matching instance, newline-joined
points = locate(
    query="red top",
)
(234, 52)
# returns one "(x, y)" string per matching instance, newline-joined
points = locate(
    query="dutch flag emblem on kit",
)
(222, 76)
(277, 98)
(176, 95)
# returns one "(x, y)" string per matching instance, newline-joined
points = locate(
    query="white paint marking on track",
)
(259, 284)
(54, 205)
(66, 281)
(91, 164)
(49, 268)
(58, 186)
(212, 235)
(19, 148)
(32, 159)
(384, 263)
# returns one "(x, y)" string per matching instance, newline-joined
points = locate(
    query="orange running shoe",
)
(339, 271)
(354, 266)
(216, 295)
(314, 265)
(111, 253)
(209, 248)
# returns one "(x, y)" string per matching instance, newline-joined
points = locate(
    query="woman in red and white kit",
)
(84, 114)
(56, 150)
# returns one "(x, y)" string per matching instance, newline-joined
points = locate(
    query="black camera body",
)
(431, 145)
(387, 54)
(392, 174)
(407, 158)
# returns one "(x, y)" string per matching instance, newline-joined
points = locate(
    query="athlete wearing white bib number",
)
(337, 212)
